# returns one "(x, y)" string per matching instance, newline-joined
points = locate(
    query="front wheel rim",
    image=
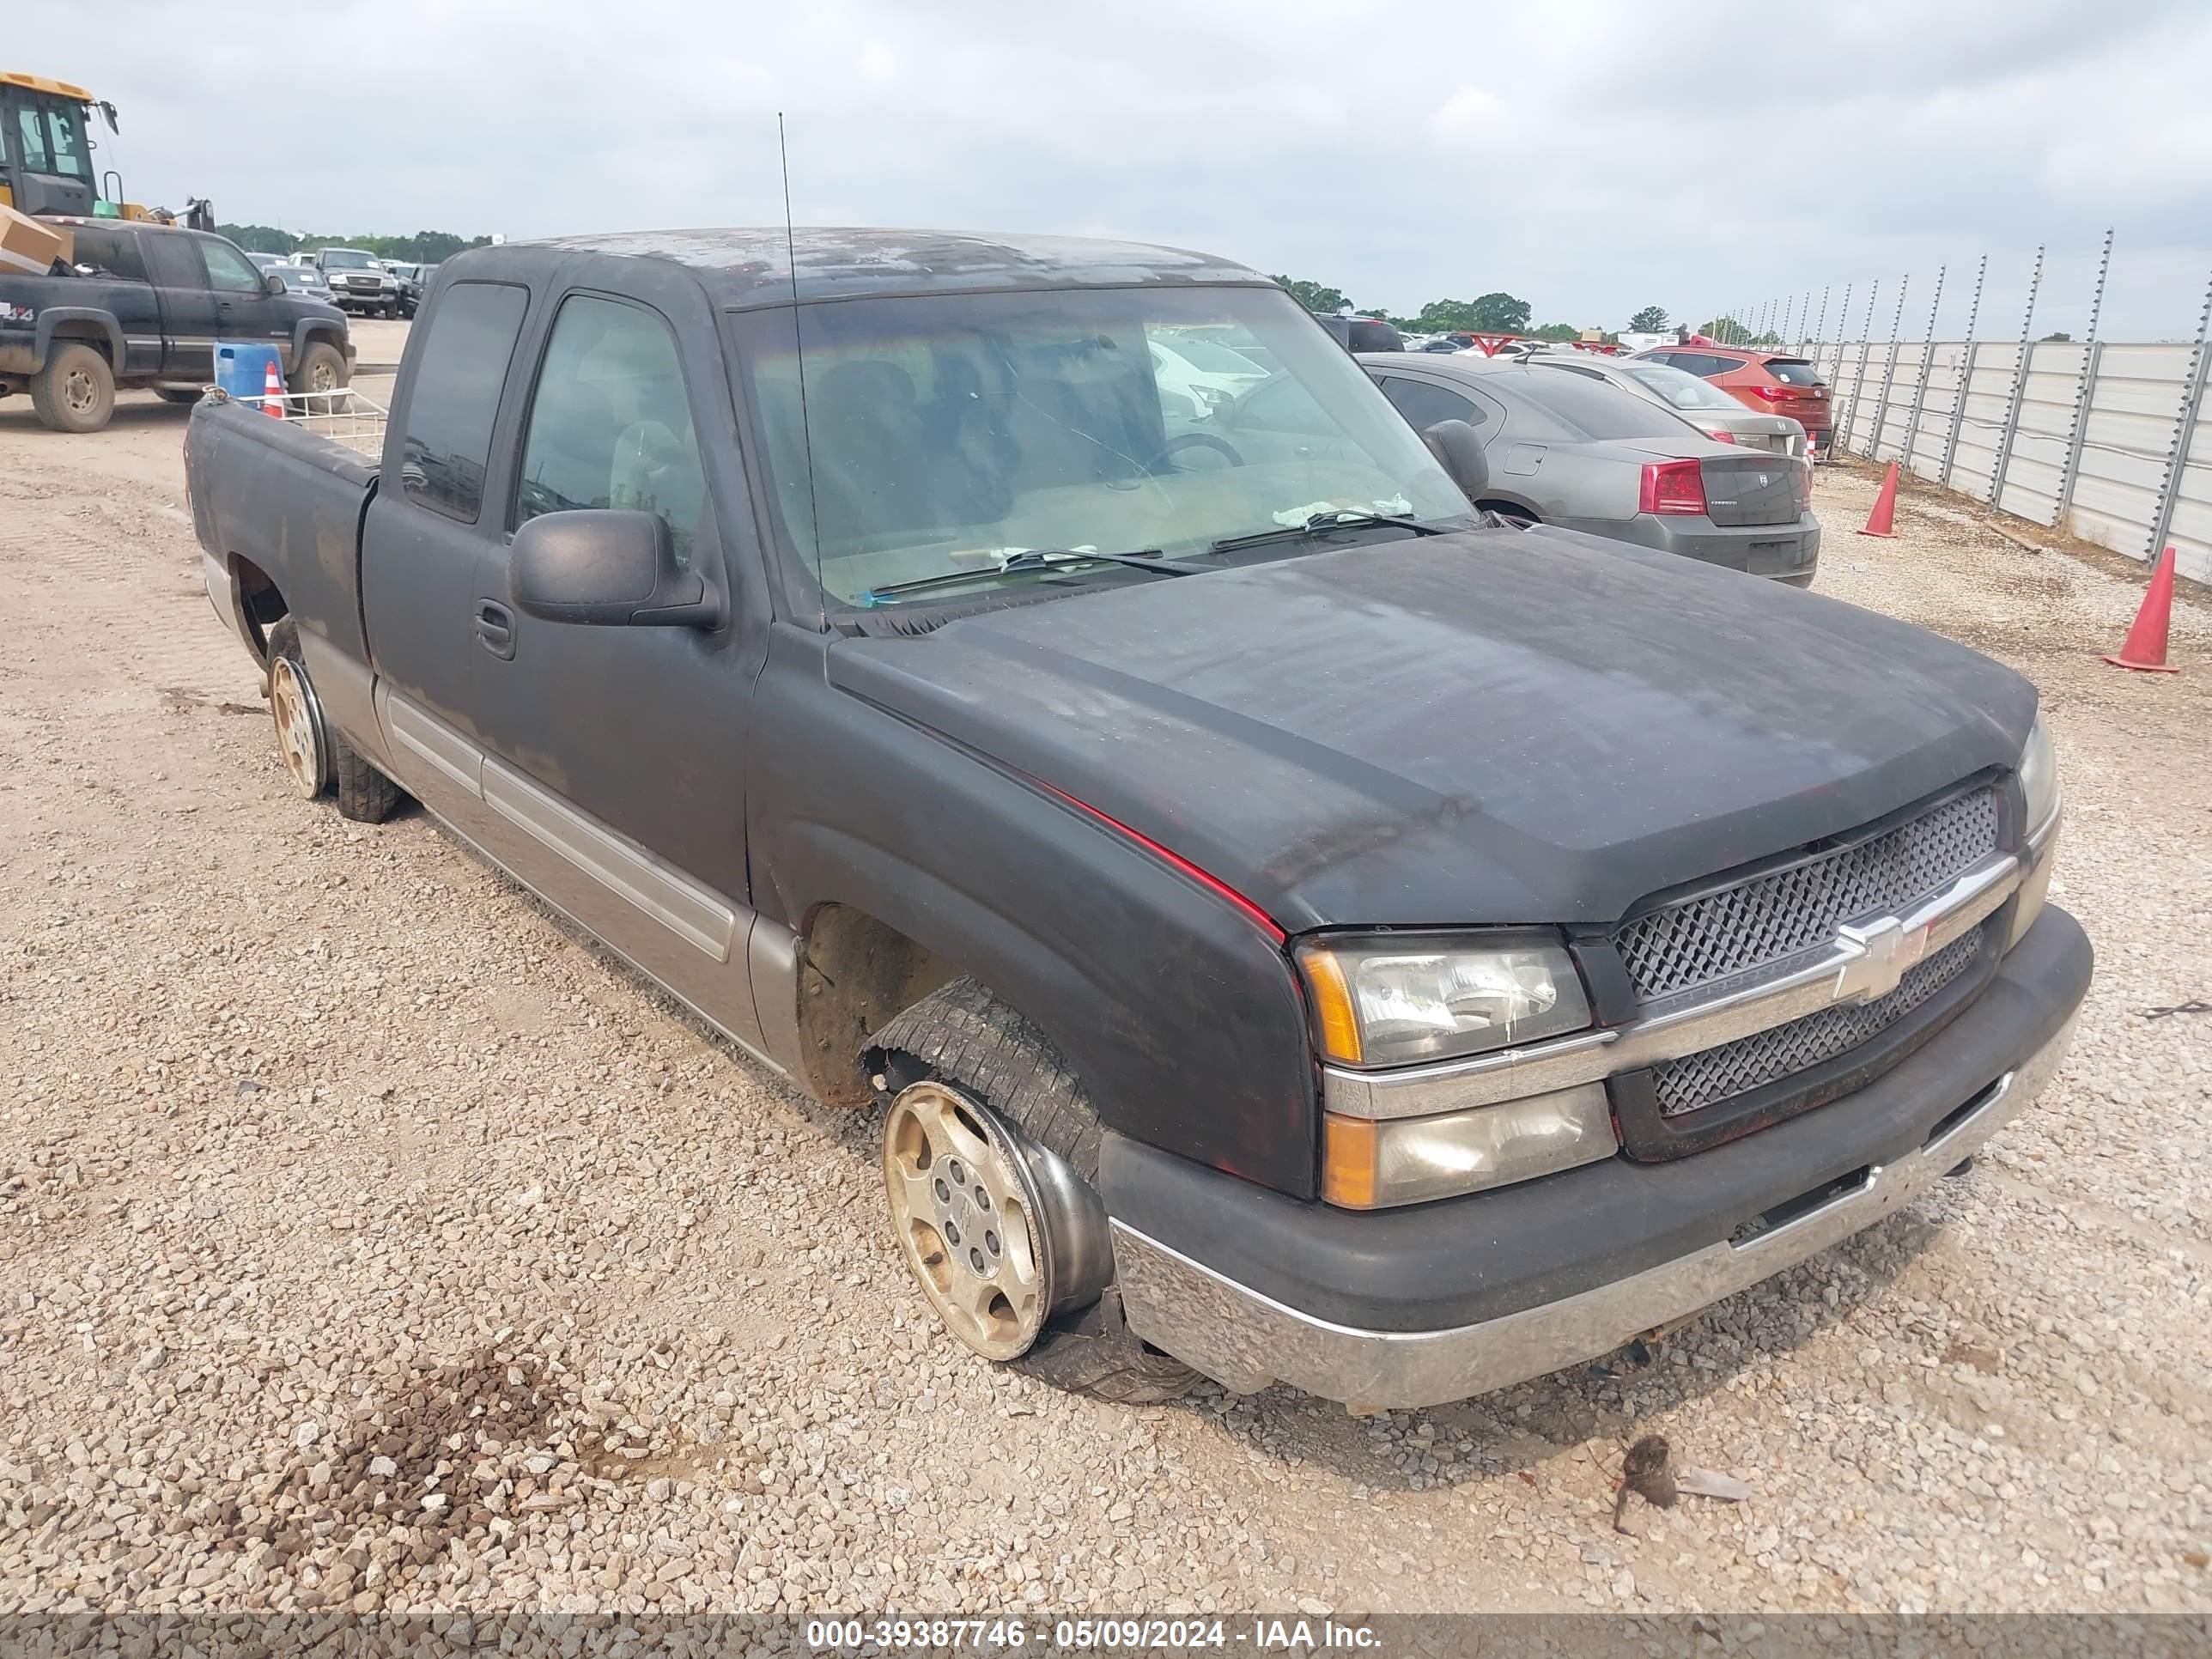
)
(964, 1213)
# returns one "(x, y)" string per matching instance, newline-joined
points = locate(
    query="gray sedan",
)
(1705, 405)
(1566, 450)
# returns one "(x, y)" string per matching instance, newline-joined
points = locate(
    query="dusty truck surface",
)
(1292, 927)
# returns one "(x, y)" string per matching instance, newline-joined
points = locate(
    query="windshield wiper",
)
(1321, 524)
(1039, 558)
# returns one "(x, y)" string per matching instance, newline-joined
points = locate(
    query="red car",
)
(1768, 381)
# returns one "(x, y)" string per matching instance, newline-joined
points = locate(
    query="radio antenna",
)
(798, 345)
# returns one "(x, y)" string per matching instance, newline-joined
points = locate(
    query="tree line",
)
(1496, 313)
(423, 247)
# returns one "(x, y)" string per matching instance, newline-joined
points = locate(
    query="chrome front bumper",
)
(1245, 1340)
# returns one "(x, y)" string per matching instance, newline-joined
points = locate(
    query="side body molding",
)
(734, 968)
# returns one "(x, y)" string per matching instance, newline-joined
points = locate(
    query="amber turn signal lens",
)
(1340, 1026)
(1347, 1161)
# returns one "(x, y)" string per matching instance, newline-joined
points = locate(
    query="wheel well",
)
(260, 601)
(855, 974)
(1510, 509)
(80, 333)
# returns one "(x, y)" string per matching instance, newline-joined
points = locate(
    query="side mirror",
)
(610, 567)
(1459, 452)
(272, 284)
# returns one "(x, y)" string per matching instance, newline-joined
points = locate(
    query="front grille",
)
(1703, 941)
(1699, 1080)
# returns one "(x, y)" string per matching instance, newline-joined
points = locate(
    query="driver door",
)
(616, 755)
(244, 307)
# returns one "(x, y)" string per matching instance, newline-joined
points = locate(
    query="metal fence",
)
(2100, 439)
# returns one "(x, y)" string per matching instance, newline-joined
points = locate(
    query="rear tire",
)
(364, 793)
(76, 391)
(321, 367)
(962, 1036)
(186, 395)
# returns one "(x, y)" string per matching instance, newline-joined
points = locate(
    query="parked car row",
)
(1771, 381)
(1568, 446)
(1302, 908)
(1773, 385)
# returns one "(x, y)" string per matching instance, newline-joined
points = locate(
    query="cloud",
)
(1592, 155)
(1470, 112)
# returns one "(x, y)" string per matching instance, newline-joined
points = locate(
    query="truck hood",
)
(1485, 727)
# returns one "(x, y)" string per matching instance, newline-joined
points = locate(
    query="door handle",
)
(494, 625)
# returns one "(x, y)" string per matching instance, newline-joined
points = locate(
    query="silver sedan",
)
(1574, 452)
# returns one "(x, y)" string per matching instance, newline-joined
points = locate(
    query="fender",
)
(51, 317)
(1179, 1012)
(306, 329)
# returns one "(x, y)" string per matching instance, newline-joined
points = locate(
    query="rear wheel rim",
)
(298, 727)
(965, 1215)
(79, 391)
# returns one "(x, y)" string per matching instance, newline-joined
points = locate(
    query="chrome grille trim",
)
(1695, 1081)
(1713, 938)
(1804, 984)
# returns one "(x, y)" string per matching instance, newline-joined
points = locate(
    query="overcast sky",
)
(1592, 157)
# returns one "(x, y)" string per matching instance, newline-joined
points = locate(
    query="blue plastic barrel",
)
(241, 366)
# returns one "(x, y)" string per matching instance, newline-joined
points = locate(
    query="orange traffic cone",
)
(272, 391)
(2145, 650)
(1878, 521)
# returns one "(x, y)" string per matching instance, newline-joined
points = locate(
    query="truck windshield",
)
(344, 258)
(952, 434)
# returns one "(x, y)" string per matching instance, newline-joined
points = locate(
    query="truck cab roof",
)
(754, 265)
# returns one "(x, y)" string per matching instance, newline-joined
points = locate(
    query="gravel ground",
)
(367, 1242)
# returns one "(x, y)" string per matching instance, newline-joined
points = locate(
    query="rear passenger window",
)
(175, 260)
(1424, 405)
(609, 425)
(109, 253)
(455, 395)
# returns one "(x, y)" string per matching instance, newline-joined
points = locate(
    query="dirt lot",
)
(365, 1240)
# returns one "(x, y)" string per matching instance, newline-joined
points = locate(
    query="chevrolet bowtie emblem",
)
(1885, 950)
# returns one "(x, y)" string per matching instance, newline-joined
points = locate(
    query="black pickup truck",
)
(1292, 927)
(142, 305)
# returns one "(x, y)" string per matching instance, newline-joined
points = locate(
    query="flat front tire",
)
(975, 1090)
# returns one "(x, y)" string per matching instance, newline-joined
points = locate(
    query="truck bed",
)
(289, 504)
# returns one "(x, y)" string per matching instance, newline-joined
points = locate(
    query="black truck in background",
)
(142, 305)
(1293, 926)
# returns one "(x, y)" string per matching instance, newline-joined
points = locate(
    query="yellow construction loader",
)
(46, 163)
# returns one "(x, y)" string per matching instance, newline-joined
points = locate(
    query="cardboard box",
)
(31, 246)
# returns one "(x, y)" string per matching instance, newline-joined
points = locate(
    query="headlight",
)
(2038, 785)
(2039, 776)
(1371, 1165)
(1395, 1000)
